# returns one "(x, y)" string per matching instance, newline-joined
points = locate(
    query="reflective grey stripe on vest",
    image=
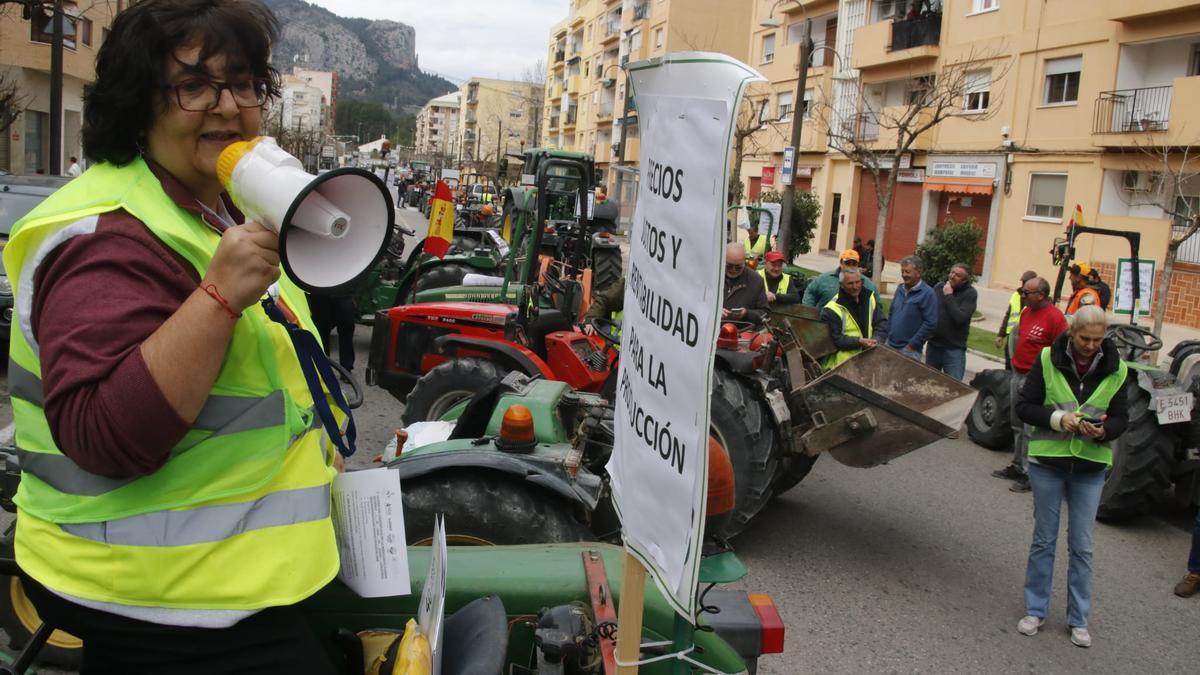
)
(23, 384)
(209, 524)
(220, 415)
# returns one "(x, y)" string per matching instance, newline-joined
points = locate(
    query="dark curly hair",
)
(129, 90)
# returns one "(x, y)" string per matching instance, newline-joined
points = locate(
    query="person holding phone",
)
(1074, 398)
(745, 292)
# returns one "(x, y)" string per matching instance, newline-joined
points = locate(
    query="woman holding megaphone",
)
(174, 501)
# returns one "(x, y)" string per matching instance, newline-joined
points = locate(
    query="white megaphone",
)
(332, 227)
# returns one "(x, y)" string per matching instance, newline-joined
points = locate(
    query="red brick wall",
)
(1183, 298)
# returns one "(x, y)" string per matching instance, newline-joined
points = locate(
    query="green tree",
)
(806, 213)
(373, 118)
(954, 242)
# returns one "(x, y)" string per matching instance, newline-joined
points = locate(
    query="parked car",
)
(18, 196)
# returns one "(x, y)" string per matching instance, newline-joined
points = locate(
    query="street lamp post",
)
(789, 190)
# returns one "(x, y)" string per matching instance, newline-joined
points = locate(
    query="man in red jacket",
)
(1040, 325)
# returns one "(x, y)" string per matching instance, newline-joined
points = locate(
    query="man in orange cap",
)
(824, 287)
(780, 287)
(1083, 294)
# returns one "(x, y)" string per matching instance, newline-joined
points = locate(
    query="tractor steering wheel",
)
(354, 399)
(607, 329)
(1137, 339)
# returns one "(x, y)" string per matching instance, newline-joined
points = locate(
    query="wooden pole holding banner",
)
(629, 614)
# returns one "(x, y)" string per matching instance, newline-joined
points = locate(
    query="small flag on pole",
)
(441, 221)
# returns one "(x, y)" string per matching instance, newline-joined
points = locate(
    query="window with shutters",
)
(1062, 80)
(768, 48)
(785, 106)
(1047, 194)
(977, 88)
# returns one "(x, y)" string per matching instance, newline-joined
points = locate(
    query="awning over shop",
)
(966, 186)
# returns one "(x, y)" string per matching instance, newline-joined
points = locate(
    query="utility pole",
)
(56, 87)
(789, 190)
(499, 130)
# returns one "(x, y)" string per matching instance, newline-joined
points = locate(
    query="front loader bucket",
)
(880, 405)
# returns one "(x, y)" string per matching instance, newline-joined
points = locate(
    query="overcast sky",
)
(468, 38)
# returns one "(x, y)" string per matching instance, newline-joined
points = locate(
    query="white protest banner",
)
(770, 224)
(659, 466)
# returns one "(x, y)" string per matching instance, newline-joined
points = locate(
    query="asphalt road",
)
(917, 566)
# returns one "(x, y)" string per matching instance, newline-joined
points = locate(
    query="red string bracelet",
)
(212, 291)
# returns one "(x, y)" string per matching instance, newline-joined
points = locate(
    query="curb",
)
(985, 355)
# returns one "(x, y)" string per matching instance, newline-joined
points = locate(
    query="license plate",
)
(1175, 408)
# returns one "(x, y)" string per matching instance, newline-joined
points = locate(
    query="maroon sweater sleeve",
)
(97, 298)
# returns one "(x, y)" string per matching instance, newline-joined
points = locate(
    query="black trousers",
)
(329, 313)
(274, 640)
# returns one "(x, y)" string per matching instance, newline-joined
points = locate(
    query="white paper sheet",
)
(368, 516)
(432, 608)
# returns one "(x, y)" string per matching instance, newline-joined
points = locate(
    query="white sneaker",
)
(1029, 625)
(1080, 637)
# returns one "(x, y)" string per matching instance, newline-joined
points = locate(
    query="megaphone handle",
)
(315, 366)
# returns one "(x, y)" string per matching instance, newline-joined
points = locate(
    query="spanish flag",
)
(441, 221)
(1077, 217)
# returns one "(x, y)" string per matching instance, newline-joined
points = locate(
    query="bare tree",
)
(12, 101)
(1173, 185)
(877, 135)
(754, 133)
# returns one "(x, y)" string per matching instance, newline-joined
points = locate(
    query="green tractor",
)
(547, 608)
(1158, 458)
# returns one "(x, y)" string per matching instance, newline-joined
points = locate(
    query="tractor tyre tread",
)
(466, 375)
(495, 507)
(450, 274)
(1142, 461)
(744, 426)
(993, 386)
(606, 268)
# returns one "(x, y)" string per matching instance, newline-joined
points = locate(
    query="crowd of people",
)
(1067, 390)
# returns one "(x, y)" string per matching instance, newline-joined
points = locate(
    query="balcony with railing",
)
(641, 11)
(572, 114)
(898, 43)
(612, 30)
(1143, 116)
(560, 57)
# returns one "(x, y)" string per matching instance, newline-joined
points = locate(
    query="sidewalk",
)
(992, 304)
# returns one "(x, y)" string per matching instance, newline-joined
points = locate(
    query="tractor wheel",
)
(1142, 461)
(450, 274)
(446, 386)
(990, 421)
(19, 619)
(606, 267)
(486, 508)
(741, 424)
(792, 470)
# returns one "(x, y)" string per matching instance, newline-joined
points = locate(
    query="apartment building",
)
(25, 63)
(437, 130)
(301, 108)
(1061, 101)
(586, 105)
(496, 118)
(326, 81)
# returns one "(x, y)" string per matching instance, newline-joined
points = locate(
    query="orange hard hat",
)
(487, 210)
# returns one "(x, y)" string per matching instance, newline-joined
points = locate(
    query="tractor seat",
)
(548, 321)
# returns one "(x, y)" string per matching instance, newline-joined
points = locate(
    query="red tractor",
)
(432, 356)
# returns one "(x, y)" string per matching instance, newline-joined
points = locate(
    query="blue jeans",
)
(1194, 558)
(1082, 492)
(950, 361)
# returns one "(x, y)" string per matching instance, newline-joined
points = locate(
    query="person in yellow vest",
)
(1083, 295)
(174, 503)
(1074, 398)
(1005, 335)
(756, 244)
(855, 320)
(780, 289)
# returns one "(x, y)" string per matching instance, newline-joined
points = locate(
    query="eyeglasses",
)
(200, 95)
(734, 268)
(1025, 292)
